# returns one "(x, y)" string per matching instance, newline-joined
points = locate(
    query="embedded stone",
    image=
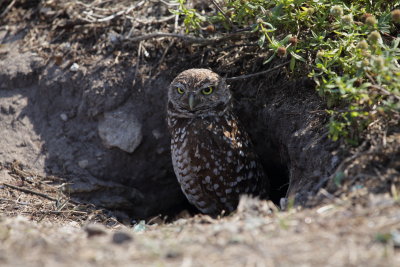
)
(120, 128)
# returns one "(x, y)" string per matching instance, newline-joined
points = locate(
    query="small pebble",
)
(157, 134)
(4, 110)
(396, 238)
(11, 110)
(173, 254)
(74, 67)
(140, 227)
(63, 116)
(95, 229)
(121, 237)
(83, 163)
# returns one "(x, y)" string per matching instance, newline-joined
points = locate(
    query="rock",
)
(121, 237)
(157, 134)
(83, 163)
(140, 227)
(283, 203)
(95, 229)
(4, 110)
(120, 128)
(172, 254)
(74, 67)
(63, 116)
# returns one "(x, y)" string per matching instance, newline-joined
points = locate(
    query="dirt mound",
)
(83, 98)
(338, 234)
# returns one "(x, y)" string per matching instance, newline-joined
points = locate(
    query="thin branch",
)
(383, 90)
(8, 8)
(119, 13)
(25, 190)
(257, 73)
(93, 17)
(386, 92)
(222, 12)
(13, 201)
(339, 110)
(139, 53)
(61, 212)
(187, 38)
(152, 21)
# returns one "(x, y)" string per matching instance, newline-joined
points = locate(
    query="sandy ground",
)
(39, 227)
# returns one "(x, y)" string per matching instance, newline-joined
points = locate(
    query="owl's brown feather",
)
(212, 155)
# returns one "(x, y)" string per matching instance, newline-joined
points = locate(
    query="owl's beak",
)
(191, 101)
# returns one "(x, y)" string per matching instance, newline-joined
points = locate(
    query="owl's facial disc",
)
(193, 99)
(199, 92)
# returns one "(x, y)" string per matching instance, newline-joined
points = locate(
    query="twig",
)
(376, 86)
(165, 52)
(153, 21)
(222, 12)
(386, 92)
(119, 13)
(25, 190)
(326, 194)
(187, 38)
(8, 8)
(339, 110)
(93, 17)
(13, 201)
(257, 73)
(62, 212)
(21, 173)
(137, 63)
(168, 3)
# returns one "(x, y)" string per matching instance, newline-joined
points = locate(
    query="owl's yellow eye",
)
(207, 91)
(180, 90)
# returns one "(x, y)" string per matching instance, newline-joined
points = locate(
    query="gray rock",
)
(120, 128)
(83, 163)
(74, 67)
(64, 116)
(95, 229)
(121, 237)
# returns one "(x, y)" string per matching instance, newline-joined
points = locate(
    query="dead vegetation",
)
(42, 198)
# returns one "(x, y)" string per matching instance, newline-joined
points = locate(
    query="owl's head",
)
(199, 92)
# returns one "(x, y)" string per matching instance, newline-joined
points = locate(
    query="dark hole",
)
(278, 175)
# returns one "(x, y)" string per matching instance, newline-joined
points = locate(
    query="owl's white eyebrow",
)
(180, 85)
(206, 85)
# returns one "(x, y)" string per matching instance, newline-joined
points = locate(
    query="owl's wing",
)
(231, 166)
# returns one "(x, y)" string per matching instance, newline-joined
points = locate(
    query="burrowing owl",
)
(212, 155)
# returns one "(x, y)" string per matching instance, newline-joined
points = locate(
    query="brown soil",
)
(361, 229)
(69, 197)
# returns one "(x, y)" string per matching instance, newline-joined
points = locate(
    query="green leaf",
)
(338, 178)
(395, 43)
(292, 63)
(296, 56)
(270, 58)
(261, 40)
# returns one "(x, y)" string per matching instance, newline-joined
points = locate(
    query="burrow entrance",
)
(62, 117)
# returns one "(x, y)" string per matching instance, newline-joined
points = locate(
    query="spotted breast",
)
(213, 156)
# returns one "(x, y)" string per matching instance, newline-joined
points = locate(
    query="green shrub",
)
(351, 50)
